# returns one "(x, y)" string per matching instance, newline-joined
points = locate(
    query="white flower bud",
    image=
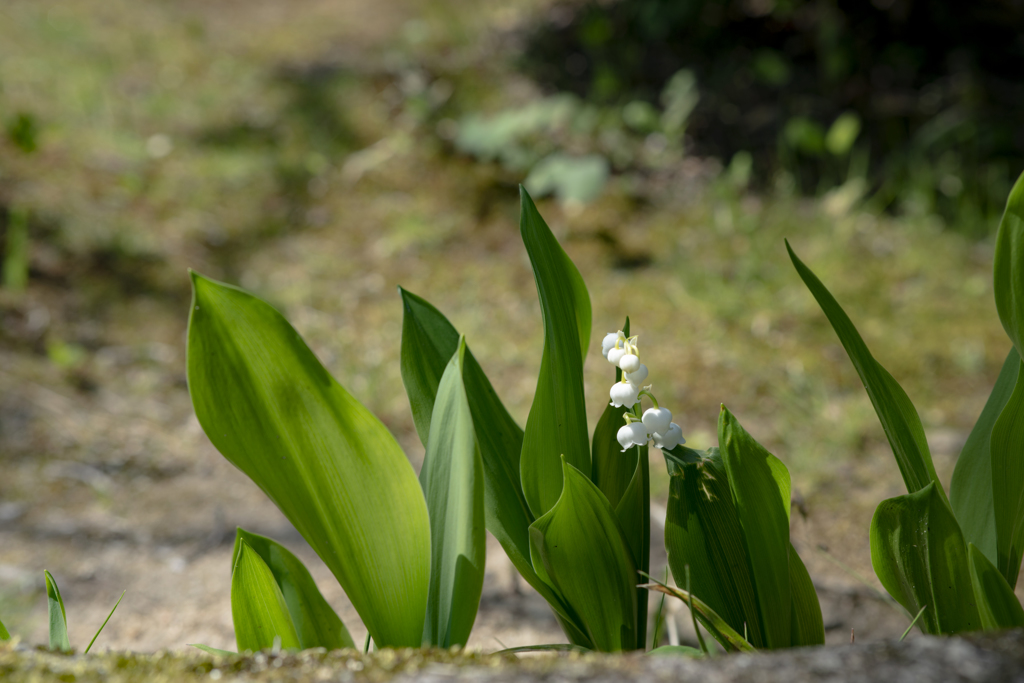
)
(608, 343)
(657, 420)
(671, 438)
(624, 394)
(630, 362)
(633, 434)
(614, 355)
(637, 377)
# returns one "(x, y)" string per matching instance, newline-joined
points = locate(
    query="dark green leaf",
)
(274, 411)
(557, 425)
(634, 514)
(759, 484)
(578, 548)
(919, 555)
(807, 625)
(453, 482)
(899, 418)
(258, 608)
(1008, 266)
(58, 617)
(103, 625)
(970, 491)
(1007, 449)
(998, 607)
(316, 623)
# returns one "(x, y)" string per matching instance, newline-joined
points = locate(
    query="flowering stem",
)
(649, 395)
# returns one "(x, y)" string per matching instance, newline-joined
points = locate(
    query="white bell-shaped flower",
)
(624, 394)
(633, 434)
(657, 420)
(609, 341)
(615, 355)
(629, 362)
(638, 376)
(671, 438)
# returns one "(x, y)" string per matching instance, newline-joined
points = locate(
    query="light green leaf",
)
(807, 625)
(1007, 449)
(428, 341)
(998, 607)
(709, 619)
(557, 425)
(1008, 266)
(759, 484)
(453, 482)
(579, 549)
(316, 623)
(919, 555)
(4, 635)
(895, 411)
(676, 651)
(104, 624)
(213, 651)
(333, 469)
(970, 490)
(58, 617)
(258, 608)
(702, 530)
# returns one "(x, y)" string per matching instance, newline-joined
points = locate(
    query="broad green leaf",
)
(807, 625)
(919, 555)
(719, 629)
(557, 425)
(634, 514)
(702, 530)
(213, 651)
(759, 484)
(258, 608)
(970, 490)
(895, 411)
(579, 549)
(998, 607)
(453, 483)
(1007, 449)
(4, 635)
(58, 617)
(1008, 266)
(104, 624)
(316, 623)
(428, 341)
(333, 469)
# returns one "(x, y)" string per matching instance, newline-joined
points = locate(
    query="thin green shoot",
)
(659, 618)
(907, 632)
(104, 623)
(693, 616)
(554, 647)
(212, 650)
(366, 645)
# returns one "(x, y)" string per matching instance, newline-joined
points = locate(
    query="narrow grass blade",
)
(553, 647)
(693, 615)
(1008, 266)
(702, 531)
(998, 606)
(316, 622)
(759, 484)
(716, 625)
(258, 608)
(895, 411)
(103, 625)
(807, 626)
(213, 651)
(579, 549)
(1007, 448)
(677, 651)
(912, 623)
(970, 490)
(919, 555)
(557, 425)
(453, 482)
(333, 469)
(58, 617)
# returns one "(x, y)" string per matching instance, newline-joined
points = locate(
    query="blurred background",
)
(321, 152)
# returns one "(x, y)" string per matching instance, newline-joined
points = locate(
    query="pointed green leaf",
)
(428, 341)
(1008, 266)
(316, 623)
(719, 629)
(1007, 449)
(759, 484)
(998, 607)
(807, 625)
(58, 617)
(578, 547)
(104, 624)
(702, 531)
(970, 490)
(453, 482)
(919, 555)
(895, 411)
(258, 608)
(213, 651)
(557, 425)
(4, 635)
(274, 411)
